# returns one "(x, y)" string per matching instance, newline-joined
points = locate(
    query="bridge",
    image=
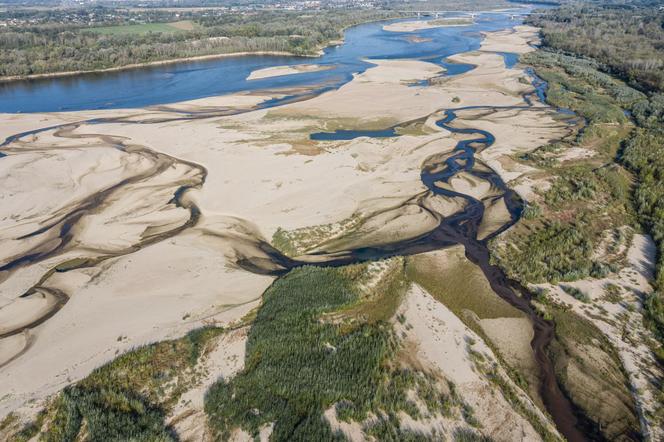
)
(466, 14)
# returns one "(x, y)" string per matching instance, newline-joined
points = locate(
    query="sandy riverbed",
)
(152, 275)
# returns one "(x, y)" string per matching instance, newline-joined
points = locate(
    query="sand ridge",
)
(444, 343)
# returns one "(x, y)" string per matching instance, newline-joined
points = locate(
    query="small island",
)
(277, 71)
(418, 25)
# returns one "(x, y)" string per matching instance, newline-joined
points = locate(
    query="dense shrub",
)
(300, 362)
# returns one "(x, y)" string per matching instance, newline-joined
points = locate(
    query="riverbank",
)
(317, 52)
(150, 64)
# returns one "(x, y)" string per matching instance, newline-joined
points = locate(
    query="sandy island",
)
(278, 71)
(418, 25)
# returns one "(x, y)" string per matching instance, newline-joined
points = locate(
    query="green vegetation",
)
(644, 153)
(612, 293)
(48, 48)
(128, 398)
(576, 293)
(299, 241)
(109, 415)
(307, 351)
(555, 251)
(626, 42)
(18, 431)
(459, 285)
(558, 236)
(587, 204)
(590, 371)
(468, 435)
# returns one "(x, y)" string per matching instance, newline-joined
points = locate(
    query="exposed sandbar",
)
(418, 25)
(278, 71)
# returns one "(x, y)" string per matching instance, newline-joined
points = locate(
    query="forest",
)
(53, 48)
(627, 42)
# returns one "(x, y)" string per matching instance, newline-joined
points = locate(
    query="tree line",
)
(57, 48)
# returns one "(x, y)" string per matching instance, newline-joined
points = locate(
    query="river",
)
(178, 82)
(185, 81)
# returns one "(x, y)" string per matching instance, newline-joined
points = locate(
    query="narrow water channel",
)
(462, 228)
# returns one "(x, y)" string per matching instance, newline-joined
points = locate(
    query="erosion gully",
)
(458, 229)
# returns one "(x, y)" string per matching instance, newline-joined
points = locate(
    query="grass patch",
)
(387, 285)
(468, 435)
(458, 284)
(299, 241)
(552, 252)
(557, 240)
(12, 429)
(644, 154)
(576, 293)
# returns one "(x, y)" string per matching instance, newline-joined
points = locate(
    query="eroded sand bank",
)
(443, 343)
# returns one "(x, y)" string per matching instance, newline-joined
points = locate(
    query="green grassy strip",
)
(644, 153)
(631, 35)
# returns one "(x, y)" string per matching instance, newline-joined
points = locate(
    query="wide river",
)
(198, 79)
